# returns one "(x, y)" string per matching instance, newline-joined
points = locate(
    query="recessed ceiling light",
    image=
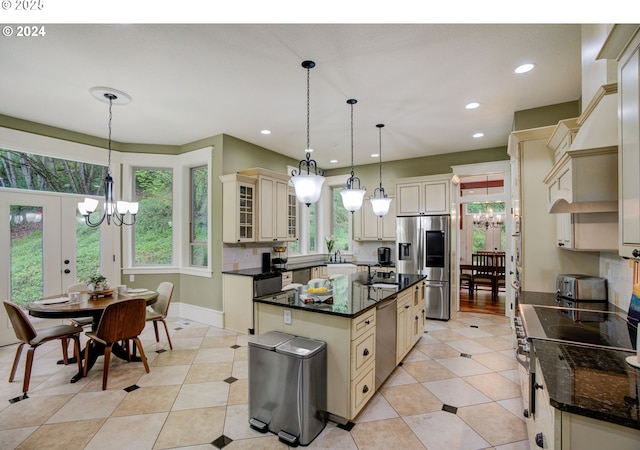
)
(375, 155)
(333, 161)
(478, 135)
(265, 131)
(524, 68)
(472, 105)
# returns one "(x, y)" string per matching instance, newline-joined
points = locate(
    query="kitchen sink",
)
(383, 285)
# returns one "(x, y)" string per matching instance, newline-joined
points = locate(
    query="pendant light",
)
(380, 205)
(351, 196)
(307, 185)
(114, 211)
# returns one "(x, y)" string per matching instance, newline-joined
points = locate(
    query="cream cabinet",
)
(318, 272)
(351, 352)
(239, 204)
(423, 195)
(588, 231)
(273, 216)
(629, 145)
(550, 428)
(369, 227)
(404, 325)
(237, 291)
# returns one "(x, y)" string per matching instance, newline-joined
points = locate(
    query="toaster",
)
(581, 287)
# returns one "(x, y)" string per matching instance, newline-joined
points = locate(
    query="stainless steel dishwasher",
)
(386, 326)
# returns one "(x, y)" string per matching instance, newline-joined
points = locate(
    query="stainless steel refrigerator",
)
(423, 248)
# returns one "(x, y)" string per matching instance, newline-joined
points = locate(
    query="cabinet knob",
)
(635, 253)
(367, 322)
(406, 307)
(538, 386)
(539, 440)
(366, 352)
(365, 389)
(526, 412)
(67, 271)
(560, 244)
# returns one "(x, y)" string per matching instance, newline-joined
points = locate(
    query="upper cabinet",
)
(239, 201)
(423, 195)
(629, 136)
(273, 207)
(369, 227)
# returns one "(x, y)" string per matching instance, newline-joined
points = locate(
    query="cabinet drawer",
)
(362, 324)
(287, 278)
(362, 351)
(362, 389)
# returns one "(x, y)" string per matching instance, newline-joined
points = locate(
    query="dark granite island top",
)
(592, 382)
(341, 300)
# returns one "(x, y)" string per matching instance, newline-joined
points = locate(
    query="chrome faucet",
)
(369, 276)
(336, 256)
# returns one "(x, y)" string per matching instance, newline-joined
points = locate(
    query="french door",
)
(46, 248)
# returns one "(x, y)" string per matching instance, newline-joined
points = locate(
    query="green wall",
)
(545, 116)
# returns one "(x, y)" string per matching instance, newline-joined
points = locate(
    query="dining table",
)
(89, 305)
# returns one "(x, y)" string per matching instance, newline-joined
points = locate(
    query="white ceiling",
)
(190, 82)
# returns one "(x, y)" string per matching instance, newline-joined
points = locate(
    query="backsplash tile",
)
(619, 275)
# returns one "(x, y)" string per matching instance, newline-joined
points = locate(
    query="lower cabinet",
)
(237, 291)
(350, 352)
(551, 428)
(410, 320)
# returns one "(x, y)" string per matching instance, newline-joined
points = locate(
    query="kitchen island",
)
(345, 317)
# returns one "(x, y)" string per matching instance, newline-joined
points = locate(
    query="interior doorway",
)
(484, 225)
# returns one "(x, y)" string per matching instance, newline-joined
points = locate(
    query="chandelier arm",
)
(88, 222)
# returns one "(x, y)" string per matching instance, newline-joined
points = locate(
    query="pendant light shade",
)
(352, 194)
(380, 203)
(307, 184)
(114, 211)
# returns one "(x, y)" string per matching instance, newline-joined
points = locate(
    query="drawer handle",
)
(366, 352)
(365, 389)
(367, 322)
(406, 307)
(538, 386)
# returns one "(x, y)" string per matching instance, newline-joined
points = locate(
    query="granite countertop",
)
(588, 381)
(591, 382)
(551, 299)
(257, 271)
(345, 294)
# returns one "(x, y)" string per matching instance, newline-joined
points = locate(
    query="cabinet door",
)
(435, 198)
(564, 230)
(629, 92)
(389, 226)
(266, 213)
(280, 211)
(370, 223)
(292, 213)
(238, 199)
(408, 198)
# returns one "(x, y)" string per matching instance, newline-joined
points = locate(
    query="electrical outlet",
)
(132, 277)
(287, 317)
(246, 255)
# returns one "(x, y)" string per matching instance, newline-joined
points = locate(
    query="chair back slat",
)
(20, 322)
(122, 320)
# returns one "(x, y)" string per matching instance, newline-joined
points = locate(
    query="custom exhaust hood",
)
(584, 178)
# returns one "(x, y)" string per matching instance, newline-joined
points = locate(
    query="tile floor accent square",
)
(235, 346)
(178, 329)
(18, 398)
(474, 326)
(347, 426)
(465, 355)
(231, 380)
(222, 442)
(450, 409)
(131, 388)
(400, 364)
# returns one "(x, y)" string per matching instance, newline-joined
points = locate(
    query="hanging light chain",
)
(351, 102)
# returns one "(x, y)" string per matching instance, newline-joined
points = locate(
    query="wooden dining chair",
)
(120, 321)
(27, 334)
(482, 273)
(160, 309)
(500, 273)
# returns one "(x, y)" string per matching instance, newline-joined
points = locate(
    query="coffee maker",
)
(384, 256)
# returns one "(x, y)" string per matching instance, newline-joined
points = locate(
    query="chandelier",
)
(380, 205)
(351, 195)
(114, 211)
(488, 220)
(308, 186)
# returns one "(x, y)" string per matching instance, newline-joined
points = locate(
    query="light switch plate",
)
(287, 317)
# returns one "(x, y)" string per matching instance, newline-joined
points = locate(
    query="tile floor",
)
(457, 389)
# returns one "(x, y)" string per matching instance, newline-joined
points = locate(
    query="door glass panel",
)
(26, 225)
(87, 249)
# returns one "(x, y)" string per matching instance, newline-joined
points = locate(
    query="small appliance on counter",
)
(578, 287)
(280, 260)
(384, 256)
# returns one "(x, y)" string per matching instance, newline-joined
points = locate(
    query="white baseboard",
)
(199, 314)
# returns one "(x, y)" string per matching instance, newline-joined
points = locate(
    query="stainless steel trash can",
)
(288, 386)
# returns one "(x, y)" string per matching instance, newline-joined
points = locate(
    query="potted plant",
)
(97, 282)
